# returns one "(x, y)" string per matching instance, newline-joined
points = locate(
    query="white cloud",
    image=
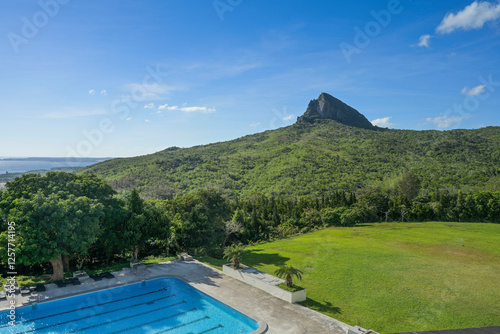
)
(474, 16)
(424, 41)
(147, 121)
(149, 106)
(167, 107)
(129, 118)
(288, 118)
(203, 110)
(91, 92)
(445, 122)
(104, 92)
(473, 91)
(254, 125)
(383, 122)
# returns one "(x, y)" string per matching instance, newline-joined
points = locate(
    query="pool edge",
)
(263, 326)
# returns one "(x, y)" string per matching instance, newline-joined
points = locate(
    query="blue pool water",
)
(165, 305)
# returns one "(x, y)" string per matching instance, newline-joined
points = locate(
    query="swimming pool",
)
(164, 305)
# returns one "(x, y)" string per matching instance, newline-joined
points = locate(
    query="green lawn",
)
(396, 277)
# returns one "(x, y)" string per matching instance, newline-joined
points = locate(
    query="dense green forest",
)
(315, 159)
(260, 187)
(64, 219)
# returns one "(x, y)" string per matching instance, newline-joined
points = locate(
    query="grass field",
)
(396, 277)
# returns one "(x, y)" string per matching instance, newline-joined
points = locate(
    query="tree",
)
(287, 272)
(231, 227)
(199, 220)
(57, 215)
(135, 204)
(331, 217)
(408, 185)
(136, 228)
(50, 227)
(159, 227)
(234, 253)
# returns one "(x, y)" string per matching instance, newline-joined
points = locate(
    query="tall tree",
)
(408, 185)
(136, 228)
(61, 211)
(50, 227)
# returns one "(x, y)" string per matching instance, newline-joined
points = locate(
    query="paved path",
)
(280, 316)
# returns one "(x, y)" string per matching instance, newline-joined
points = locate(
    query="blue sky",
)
(126, 78)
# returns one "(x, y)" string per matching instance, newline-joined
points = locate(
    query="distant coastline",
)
(10, 165)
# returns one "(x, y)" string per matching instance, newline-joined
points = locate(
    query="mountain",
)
(316, 155)
(329, 107)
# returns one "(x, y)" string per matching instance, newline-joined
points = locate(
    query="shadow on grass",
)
(325, 307)
(212, 262)
(250, 258)
(257, 258)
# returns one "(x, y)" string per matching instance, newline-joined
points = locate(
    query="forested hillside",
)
(314, 159)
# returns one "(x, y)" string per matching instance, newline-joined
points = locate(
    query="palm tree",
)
(234, 253)
(287, 272)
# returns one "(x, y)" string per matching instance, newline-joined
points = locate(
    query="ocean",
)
(22, 165)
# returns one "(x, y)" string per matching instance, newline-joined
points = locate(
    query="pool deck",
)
(280, 316)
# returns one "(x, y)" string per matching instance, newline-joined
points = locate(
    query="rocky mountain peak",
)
(329, 107)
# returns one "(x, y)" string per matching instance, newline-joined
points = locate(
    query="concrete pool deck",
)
(281, 317)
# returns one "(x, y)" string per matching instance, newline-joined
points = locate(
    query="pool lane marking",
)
(102, 313)
(136, 315)
(182, 325)
(165, 330)
(86, 307)
(98, 314)
(211, 329)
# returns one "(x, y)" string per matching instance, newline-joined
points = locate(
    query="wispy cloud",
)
(104, 92)
(91, 92)
(474, 16)
(254, 125)
(424, 41)
(149, 106)
(167, 107)
(288, 118)
(141, 92)
(446, 121)
(473, 91)
(383, 122)
(203, 110)
(75, 113)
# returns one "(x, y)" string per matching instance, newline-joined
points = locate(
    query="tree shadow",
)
(255, 257)
(322, 307)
